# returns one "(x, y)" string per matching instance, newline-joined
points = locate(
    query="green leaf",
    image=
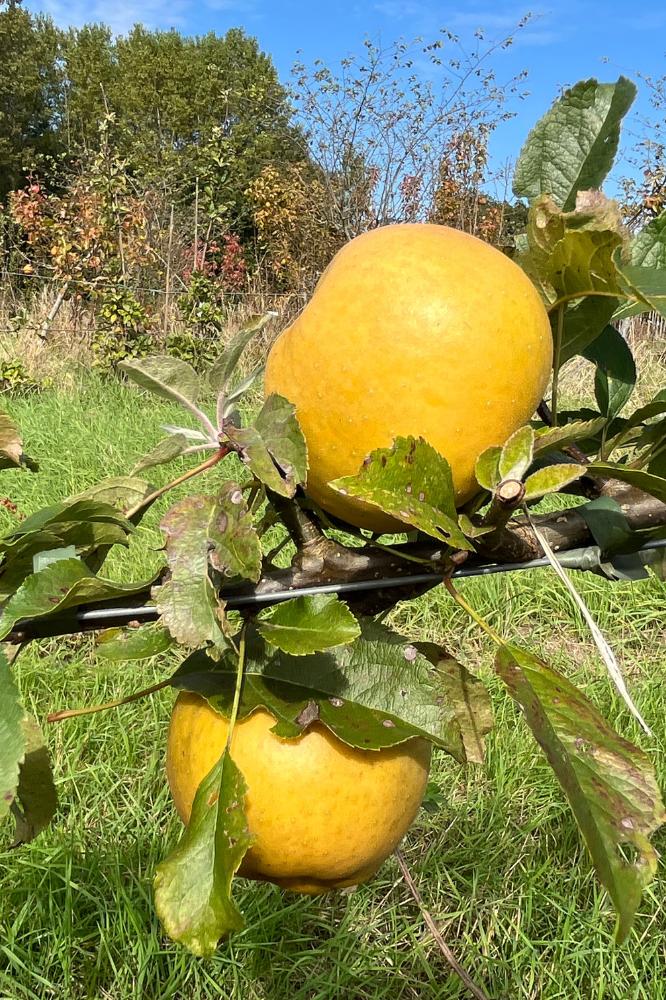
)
(167, 450)
(630, 426)
(648, 248)
(654, 485)
(309, 624)
(81, 511)
(517, 453)
(223, 368)
(609, 782)
(121, 492)
(376, 692)
(584, 321)
(645, 283)
(609, 526)
(167, 377)
(235, 550)
(552, 478)
(657, 466)
(239, 390)
(282, 435)
(12, 737)
(193, 885)
(412, 482)
(133, 643)
(487, 468)
(573, 146)
(615, 376)
(467, 695)
(28, 553)
(65, 584)
(187, 600)
(471, 530)
(274, 448)
(36, 794)
(558, 437)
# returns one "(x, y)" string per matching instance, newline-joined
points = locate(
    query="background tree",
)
(28, 90)
(379, 129)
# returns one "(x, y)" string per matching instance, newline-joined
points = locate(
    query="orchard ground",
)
(496, 853)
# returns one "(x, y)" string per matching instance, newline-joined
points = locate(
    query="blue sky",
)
(565, 42)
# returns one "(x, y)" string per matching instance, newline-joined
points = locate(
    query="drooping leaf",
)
(167, 377)
(376, 692)
(193, 885)
(558, 437)
(309, 624)
(12, 736)
(186, 600)
(516, 455)
(223, 368)
(37, 799)
(65, 584)
(235, 549)
(571, 254)
(133, 643)
(642, 480)
(167, 450)
(551, 478)
(609, 782)
(486, 471)
(648, 248)
(274, 448)
(615, 376)
(573, 146)
(412, 482)
(467, 695)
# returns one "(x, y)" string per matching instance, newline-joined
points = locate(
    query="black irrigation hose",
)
(118, 614)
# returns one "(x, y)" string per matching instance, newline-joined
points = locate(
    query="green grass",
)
(501, 864)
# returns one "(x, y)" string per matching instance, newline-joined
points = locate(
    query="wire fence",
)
(170, 291)
(33, 314)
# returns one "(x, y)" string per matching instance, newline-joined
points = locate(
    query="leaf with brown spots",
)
(610, 783)
(193, 885)
(375, 692)
(412, 482)
(205, 533)
(64, 584)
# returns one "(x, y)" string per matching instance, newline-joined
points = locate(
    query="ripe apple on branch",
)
(403, 399)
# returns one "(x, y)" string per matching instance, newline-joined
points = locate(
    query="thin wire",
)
(587, 558)
(92, 283)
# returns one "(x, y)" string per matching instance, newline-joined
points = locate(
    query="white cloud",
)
(397, 10)
(122, 15)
